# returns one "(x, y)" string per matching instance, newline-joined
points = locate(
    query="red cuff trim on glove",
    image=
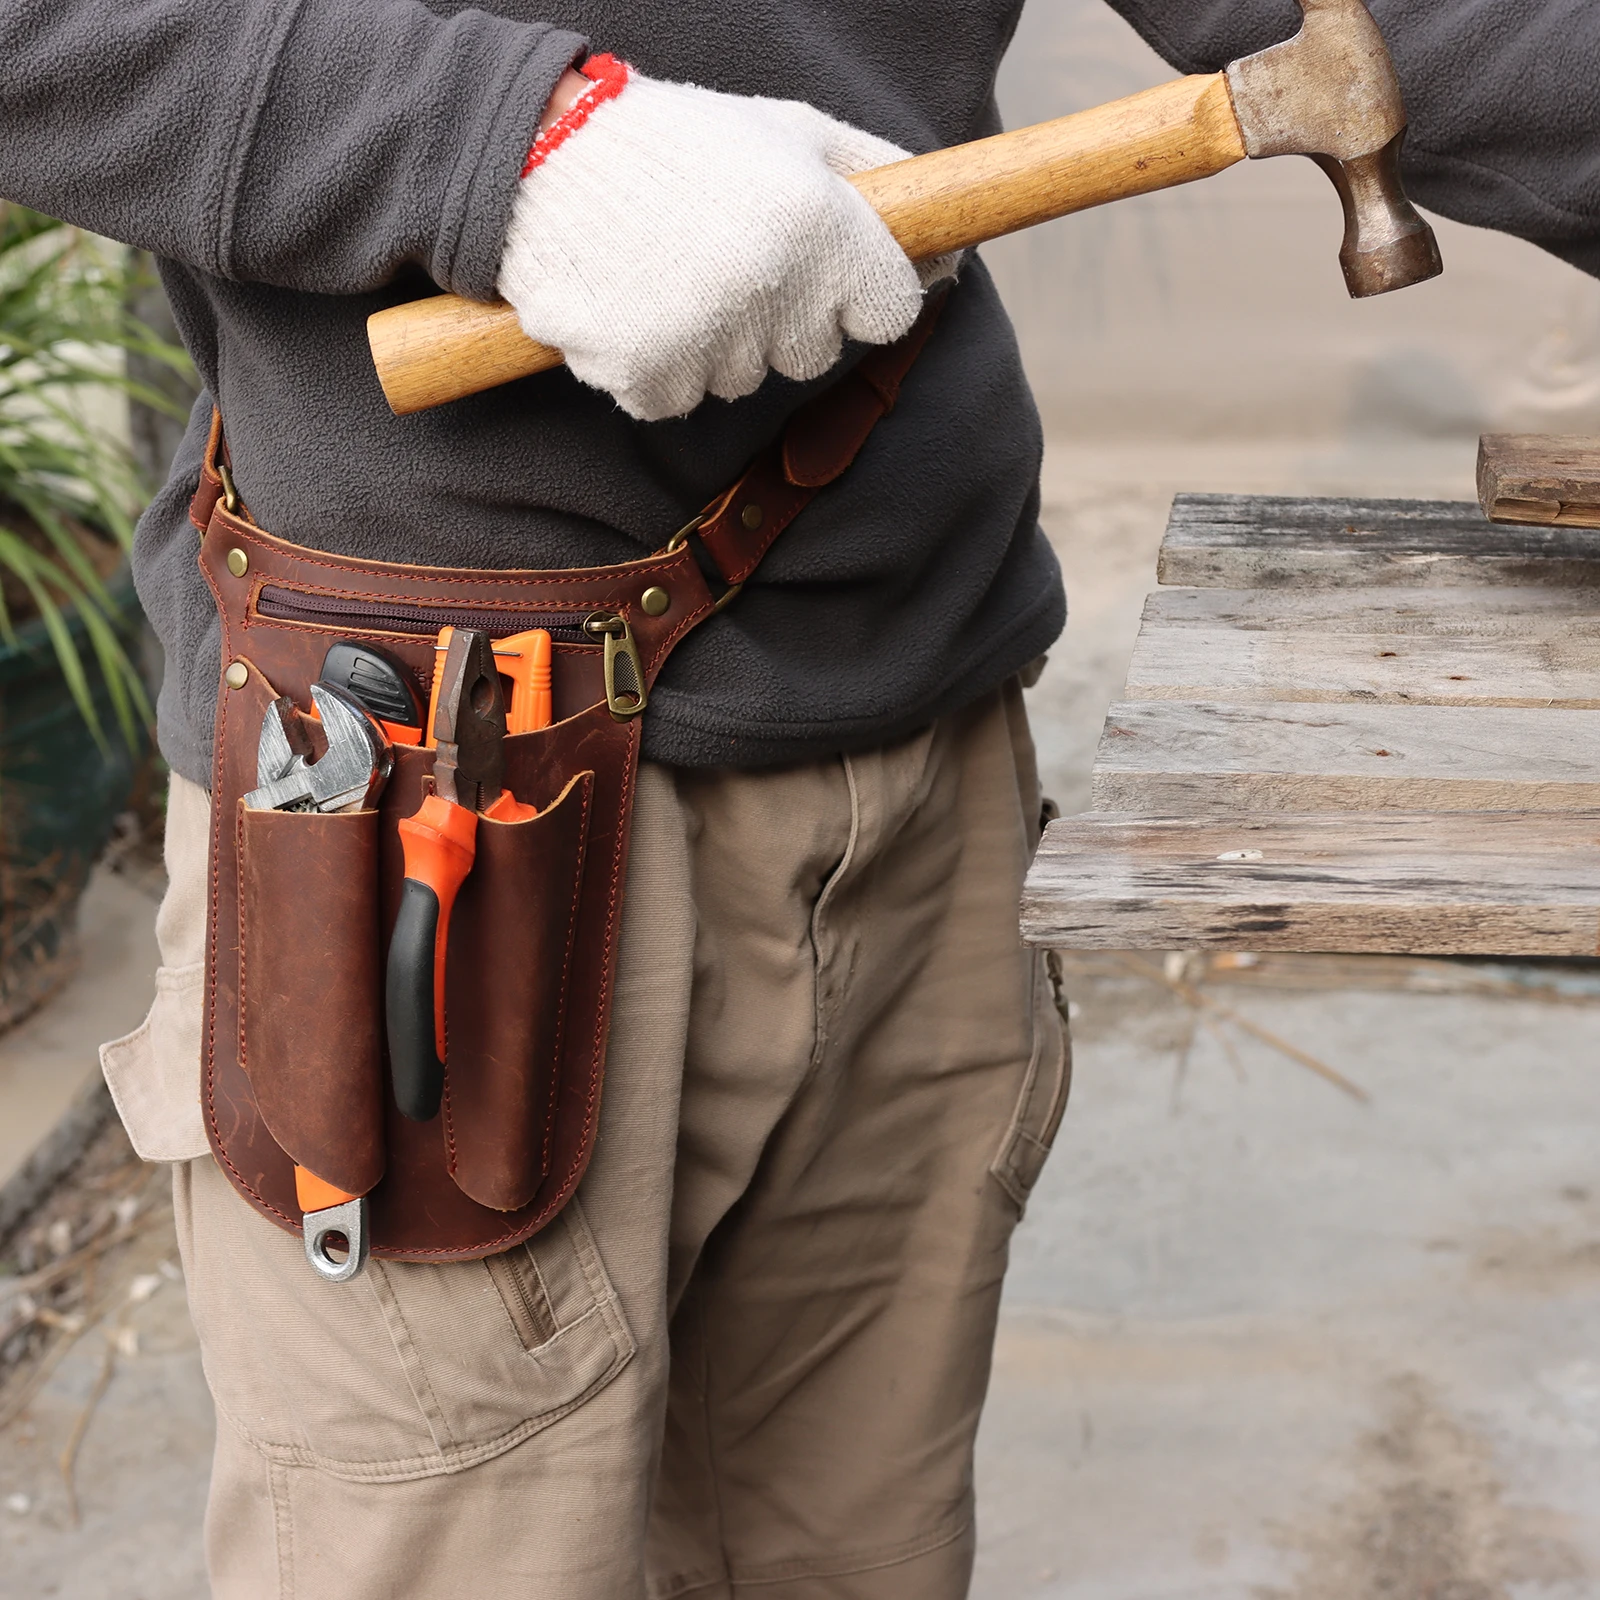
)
(609, 78)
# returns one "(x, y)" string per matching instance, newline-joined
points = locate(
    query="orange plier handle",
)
(440, 842)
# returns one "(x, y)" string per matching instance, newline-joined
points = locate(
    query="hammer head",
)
(1331, 93)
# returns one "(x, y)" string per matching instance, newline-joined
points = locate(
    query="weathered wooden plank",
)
(1175, 758)
(1549, 479)
(1195, 663)
(1267, 542)
(1394, 883)
(1499, 613)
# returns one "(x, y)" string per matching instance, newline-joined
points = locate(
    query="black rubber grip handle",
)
(414, 1065)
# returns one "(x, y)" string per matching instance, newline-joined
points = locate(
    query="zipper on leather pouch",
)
(279, 604)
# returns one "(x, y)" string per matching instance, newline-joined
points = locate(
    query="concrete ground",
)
(49, 1062)
(1261, 1340)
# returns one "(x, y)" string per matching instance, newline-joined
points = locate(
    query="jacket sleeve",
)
(1501, 95)
(318, 145)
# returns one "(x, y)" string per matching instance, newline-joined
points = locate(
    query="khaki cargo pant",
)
(749, 1358)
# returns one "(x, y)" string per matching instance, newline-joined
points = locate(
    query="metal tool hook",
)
(349, 1219)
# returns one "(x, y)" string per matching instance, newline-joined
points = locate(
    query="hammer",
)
(1330, 93)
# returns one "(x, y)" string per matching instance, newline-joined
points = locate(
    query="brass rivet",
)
(752, 516)
(654, 601)
(238, 562)
(237, 675)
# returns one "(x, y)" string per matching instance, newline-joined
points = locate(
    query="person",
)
(751, 1356)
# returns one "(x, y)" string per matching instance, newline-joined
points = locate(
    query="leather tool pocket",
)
(310, 988)
(510, 965)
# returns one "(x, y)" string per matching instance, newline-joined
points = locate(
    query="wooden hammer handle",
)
(444, 348)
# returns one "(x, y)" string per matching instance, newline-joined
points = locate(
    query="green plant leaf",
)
(65, 333)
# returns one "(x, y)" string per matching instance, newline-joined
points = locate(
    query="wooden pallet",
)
(1362, 726)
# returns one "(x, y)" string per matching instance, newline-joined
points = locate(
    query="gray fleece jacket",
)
(297, 164)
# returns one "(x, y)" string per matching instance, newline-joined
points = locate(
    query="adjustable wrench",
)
(348, 776)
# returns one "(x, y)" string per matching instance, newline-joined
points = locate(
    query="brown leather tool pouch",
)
(302, 905)
(512, 949)
(308, 933)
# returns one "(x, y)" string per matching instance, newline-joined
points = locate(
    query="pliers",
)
(440, 843)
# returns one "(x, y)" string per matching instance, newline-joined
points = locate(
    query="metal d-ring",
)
(681, 538)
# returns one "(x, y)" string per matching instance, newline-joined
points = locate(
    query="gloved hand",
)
(672, 242)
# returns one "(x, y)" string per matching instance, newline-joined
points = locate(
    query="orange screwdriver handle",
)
(317, 1194)
(507, 808)
(525, 659)
(440, 842)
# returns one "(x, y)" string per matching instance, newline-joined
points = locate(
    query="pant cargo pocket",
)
(511, 949)
(411, 1372)
(310, 991)
(1043, 1100)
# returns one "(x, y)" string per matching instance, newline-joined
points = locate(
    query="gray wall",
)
(1218, 310)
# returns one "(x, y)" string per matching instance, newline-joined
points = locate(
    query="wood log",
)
(1551, 480)
(1394, 883)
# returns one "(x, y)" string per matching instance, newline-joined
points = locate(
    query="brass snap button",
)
(237, 675)
(238, 562)
(752, 516)
(654, 601)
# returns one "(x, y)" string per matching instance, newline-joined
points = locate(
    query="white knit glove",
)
(674, 242)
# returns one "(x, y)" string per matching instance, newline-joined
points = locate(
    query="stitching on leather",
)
(453, 577)
(218, 1148)
(554, 1097)
(659, 656)
(238, 845)
(630, 771)
(449, 1116)
(214, 873)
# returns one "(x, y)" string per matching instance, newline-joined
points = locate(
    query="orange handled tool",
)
(328, 1215)
(440, 843)
(467, 724)
(524, 660)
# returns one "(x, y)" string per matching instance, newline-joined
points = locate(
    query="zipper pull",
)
(626, 695)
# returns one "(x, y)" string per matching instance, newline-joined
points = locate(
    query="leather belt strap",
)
(816, 447)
